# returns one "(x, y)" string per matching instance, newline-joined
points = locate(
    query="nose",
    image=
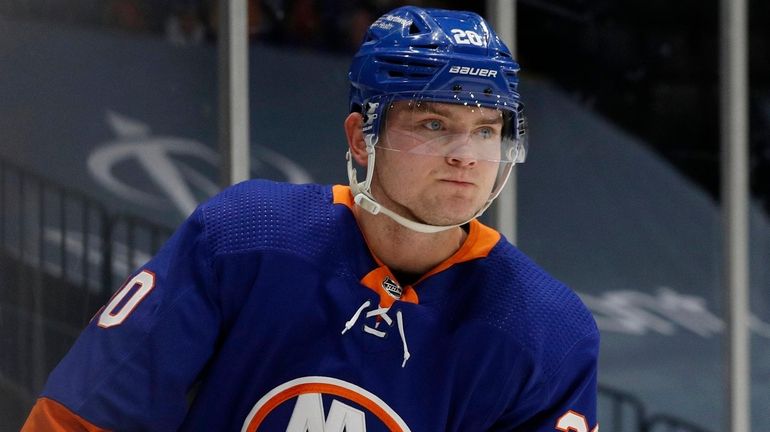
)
(461, 153)
(462, 160)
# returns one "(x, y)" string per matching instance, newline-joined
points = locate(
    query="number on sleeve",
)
(116, 310)
(574, 422)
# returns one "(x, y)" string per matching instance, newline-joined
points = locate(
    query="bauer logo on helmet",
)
(466, 70)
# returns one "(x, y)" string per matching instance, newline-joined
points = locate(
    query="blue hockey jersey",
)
(266, 311)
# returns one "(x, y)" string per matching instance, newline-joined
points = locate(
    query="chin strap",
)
(362, 194)
(369, 204)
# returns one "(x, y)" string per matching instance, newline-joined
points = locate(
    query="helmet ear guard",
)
(439, 56)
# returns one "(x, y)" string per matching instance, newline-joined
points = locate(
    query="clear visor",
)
(454, 125)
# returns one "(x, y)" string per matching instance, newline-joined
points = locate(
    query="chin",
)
(452, 215)
(446, 209)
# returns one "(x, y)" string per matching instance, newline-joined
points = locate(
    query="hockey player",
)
(379, 306)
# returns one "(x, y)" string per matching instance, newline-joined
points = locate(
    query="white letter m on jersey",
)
(308, 416)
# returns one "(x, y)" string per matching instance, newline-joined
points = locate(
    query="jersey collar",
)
(480, 241)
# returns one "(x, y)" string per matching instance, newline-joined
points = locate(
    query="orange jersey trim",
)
(480, 241)
(343, 195)
(373, 280)
(50, 416)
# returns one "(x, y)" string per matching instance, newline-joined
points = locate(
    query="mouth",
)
(458, 182)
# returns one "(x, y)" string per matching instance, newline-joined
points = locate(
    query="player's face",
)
(437, 163)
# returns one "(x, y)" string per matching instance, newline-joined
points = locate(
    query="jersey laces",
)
(382, 314)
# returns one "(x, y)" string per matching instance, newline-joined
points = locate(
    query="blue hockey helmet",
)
(425, 56)
(452, 55)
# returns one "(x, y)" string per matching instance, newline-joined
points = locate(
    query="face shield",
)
(454, 125)
(486, 132)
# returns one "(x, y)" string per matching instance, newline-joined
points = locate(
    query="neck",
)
(405, 250)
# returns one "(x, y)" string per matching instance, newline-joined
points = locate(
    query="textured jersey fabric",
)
(237, 324)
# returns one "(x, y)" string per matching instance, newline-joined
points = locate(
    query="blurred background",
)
(108, 113)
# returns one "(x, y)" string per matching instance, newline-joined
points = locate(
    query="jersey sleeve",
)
(132, 367)
(566, 401)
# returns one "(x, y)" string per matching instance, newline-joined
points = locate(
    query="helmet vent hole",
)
(413, 29)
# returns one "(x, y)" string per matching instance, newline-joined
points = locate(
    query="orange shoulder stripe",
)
(50, 416)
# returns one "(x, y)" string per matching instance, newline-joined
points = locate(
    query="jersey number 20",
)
(118, 309)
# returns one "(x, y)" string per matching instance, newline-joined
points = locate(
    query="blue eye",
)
(433, 125)
(486, 133)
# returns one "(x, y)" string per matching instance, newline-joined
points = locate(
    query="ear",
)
(355, 134)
